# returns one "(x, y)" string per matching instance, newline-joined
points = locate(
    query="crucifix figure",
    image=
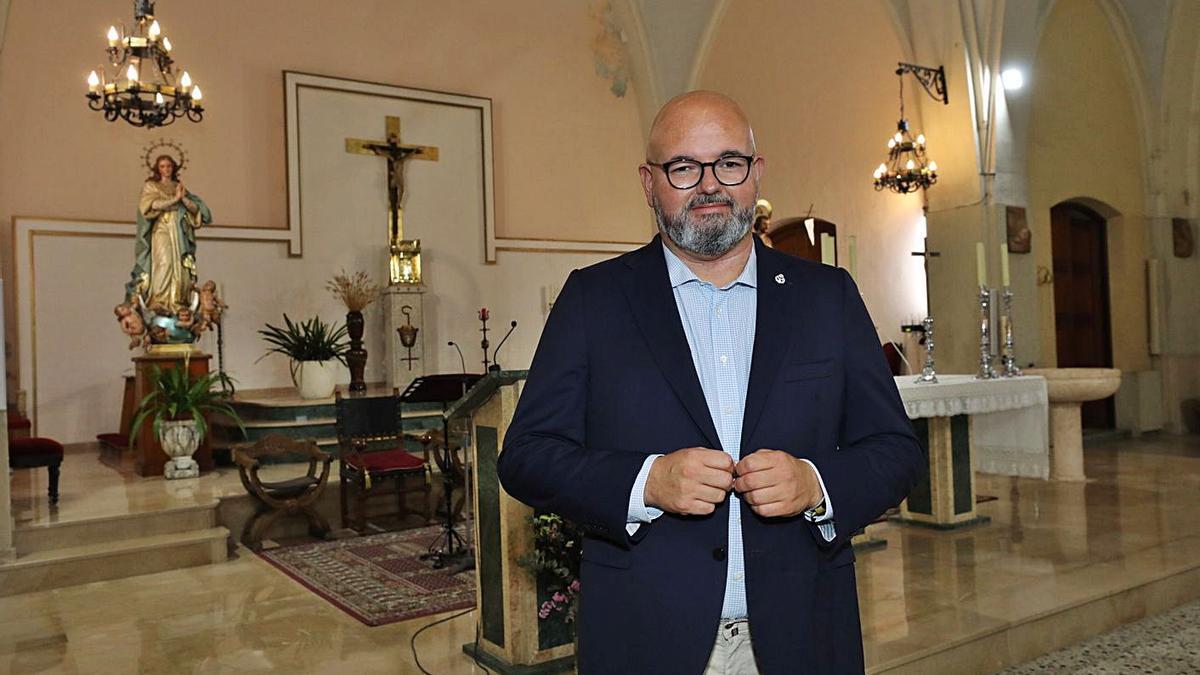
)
(404, 262)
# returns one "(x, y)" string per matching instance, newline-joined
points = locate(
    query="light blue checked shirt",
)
(719, 324)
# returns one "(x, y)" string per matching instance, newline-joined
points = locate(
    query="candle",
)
(1004, 265)
(980, 264)
(853, 241)
(827, 253)
(113, 36)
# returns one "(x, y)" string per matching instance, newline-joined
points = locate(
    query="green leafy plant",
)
(311, 340)
(557, 551)
(176, 395)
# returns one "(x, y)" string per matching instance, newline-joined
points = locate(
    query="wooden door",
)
(790, 236)
(1083, 332)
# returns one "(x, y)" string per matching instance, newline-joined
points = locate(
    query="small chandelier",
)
(907, 168)
(143, 89)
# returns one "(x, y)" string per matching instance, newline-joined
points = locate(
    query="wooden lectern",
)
(148, 454)
(511, 637)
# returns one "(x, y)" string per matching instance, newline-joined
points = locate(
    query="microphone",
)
(496, 364)
(460, 356)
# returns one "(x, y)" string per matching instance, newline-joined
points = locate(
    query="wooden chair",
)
(295, 496)
(373, 455)
(29, 452)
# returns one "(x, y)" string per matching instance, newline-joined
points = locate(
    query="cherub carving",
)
(131, 324)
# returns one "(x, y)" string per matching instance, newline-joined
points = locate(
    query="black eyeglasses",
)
(684, 174)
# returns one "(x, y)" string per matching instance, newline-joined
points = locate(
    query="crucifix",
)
(404, 261)
(928, 373)
(927, 254)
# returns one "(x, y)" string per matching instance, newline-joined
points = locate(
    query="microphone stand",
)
(495, 355)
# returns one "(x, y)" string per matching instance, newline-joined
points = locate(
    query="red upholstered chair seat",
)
(383, 461)
(29, 448)
(27, 453)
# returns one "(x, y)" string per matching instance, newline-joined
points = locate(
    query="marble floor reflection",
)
(1049, 546)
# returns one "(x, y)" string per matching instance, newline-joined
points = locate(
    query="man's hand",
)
(776, 484)
(691, 481)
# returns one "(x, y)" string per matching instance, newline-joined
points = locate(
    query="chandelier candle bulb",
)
(131, 74)
(920, 139)
(155, 30)
(980, 264)
(93, 81)
(186, 80)
(113, 36)
(196, 93)
(158, 98)
(166, 43)
(1004, 265)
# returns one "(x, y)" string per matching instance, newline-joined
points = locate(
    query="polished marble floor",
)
(1049, 546)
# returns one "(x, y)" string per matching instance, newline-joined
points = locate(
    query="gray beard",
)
(709, 236)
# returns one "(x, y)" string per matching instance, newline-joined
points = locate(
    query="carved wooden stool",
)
(296, 496)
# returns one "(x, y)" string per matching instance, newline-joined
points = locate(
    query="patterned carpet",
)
(1167, 643)
(380, 578)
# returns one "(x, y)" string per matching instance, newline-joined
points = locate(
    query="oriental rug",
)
(380, 578)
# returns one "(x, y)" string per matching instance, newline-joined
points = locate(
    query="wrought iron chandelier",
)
(143, 89)
(908, 168)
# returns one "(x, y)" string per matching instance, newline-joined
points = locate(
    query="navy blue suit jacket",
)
(613, 380)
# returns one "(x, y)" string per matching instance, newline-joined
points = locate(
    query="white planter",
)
(316, 379)
(179, 439)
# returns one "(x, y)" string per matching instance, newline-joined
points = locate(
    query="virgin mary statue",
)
(163, 279)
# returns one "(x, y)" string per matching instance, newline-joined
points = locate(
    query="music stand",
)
(444, 389)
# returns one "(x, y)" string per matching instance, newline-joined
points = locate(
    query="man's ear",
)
(647, 177)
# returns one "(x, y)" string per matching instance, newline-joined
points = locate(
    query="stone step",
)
(75, 565)
(33, 539)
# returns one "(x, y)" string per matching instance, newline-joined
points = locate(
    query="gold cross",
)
(396, 153)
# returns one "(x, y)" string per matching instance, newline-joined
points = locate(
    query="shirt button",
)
(718, 553)
(724, 359)
(739, 576)
(718, 311)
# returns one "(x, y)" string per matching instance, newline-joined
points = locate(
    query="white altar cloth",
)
(1009, 427)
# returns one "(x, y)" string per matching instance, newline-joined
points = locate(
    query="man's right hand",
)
(691, 481)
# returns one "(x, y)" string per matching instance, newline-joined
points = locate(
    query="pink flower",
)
(559, 597)
(574, 587)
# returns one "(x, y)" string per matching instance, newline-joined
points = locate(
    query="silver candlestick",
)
(1009, 356)
(928, 375)
(986, 371)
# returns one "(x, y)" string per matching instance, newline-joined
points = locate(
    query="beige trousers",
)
(732, 653)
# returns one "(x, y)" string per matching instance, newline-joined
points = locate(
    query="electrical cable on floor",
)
(412, 643)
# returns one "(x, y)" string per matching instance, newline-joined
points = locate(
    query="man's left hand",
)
(776, 484)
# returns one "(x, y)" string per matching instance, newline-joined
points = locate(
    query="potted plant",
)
(311, 346)
(176, 405)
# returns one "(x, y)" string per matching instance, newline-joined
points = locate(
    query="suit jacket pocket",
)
(808, 370)
(603, 553)
(840, 558)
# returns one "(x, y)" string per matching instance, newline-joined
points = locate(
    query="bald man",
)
(719, 419)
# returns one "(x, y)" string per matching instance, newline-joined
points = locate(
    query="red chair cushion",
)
(386, 460)
(35, 447)
(18, 421)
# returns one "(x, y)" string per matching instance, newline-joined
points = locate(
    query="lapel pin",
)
(779, 279)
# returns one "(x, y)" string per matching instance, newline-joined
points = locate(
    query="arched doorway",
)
(1082, 318)
(791, 236)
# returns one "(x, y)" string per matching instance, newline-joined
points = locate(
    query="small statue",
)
(211, 306)
(131, 324)
(762, 221)
(186, 320)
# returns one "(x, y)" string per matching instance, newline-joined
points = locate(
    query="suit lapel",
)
(773, 323)
(648, 290)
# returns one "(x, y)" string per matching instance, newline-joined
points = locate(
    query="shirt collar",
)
(680, 273)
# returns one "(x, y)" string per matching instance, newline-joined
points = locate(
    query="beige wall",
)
(565, 150)
(1085, 143)
(817, 80)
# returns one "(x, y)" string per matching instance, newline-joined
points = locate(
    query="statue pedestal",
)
(395, 300)
(148, 453)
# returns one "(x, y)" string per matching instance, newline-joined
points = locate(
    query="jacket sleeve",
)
(546, 461)
(878, 459)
